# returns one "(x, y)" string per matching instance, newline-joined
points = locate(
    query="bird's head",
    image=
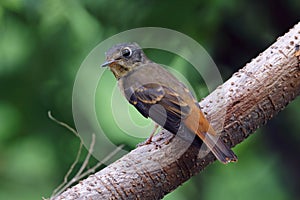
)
(123, 58)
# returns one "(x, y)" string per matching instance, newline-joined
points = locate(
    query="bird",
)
(159, 95)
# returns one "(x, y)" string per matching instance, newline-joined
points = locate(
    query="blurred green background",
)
(43, 43)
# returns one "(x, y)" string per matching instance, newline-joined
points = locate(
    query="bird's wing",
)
(160, 103)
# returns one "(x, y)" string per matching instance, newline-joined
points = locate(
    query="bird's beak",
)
(107, 63)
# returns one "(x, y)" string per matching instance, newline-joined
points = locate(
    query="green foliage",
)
(43, 43)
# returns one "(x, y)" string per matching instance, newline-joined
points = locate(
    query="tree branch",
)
(253, 95)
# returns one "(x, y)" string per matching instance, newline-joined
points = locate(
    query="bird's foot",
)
(149, 139)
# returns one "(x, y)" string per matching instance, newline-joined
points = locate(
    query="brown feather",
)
(199, 125)
(157, 94)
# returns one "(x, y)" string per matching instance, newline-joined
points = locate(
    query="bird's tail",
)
(222, 152)
(198, 124)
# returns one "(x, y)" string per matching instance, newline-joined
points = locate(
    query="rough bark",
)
(253, 95)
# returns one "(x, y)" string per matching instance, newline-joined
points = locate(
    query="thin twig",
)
(63, 124)
(80, 174)
(109, 156)
(83, 166)
(59, 189)
(87, 158)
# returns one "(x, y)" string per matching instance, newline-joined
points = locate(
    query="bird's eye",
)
(126, 52)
